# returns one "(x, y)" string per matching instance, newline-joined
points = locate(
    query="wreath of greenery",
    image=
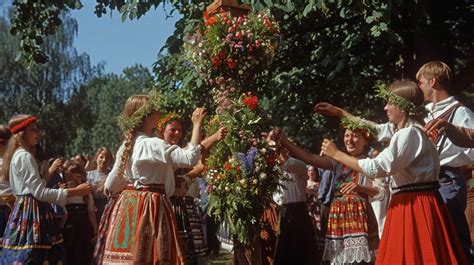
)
(354, 123)
(400, 102)
(153, 104)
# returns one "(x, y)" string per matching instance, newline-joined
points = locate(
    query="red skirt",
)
(419, 230)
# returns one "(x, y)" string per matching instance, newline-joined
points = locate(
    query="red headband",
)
(20, 127)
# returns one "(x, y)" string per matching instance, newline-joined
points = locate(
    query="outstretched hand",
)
(436, 127)
(328, 109)
(198, 116)
(221, 133)
(328, 148)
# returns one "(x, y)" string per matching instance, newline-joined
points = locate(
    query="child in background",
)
(104, 160)
(80, 228)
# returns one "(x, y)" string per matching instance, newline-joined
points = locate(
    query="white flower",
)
(263, 150)
(263, 175)
(241, 72)
(257, 168)
(227, 188)
(242, 181)
(254, 181)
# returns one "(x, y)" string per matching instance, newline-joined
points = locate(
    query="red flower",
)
(227, 166)
(215, 61)
(238, 168)
(251, 102)
(209, 20)
(271, 160)
(222, 54)
(230, 63)
(209, 189)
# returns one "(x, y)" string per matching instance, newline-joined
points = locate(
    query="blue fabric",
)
(326, 186)
(455, 197)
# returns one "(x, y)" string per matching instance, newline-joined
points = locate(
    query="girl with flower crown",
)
(418, 228)
(32, 235)
(352, 231)
(170, 129)
(143, 228)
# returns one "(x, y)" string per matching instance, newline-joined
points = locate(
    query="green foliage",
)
(43, 90)
(243, 172)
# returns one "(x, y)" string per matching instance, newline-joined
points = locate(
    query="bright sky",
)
(119, 44)
(122, 44)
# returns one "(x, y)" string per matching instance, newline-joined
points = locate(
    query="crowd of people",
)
(396, 194)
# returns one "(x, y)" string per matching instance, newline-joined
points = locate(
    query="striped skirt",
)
(32, 235)
(102, 233)
(190, 227)
(352, 231)
(143, 230)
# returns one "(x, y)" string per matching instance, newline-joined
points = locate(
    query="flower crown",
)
(400, 102)
(357, 124)
(166, 119)
(152, 104)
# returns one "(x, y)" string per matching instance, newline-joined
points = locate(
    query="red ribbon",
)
(20, 127)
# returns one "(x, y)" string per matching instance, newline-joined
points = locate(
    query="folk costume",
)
(32, 233)
(352, 230)
(143, 228)
(418, 229)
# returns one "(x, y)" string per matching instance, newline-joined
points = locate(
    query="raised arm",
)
(299, 153)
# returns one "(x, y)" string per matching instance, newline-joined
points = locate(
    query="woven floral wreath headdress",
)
(358, 124)
(160, 126)
(152, 104)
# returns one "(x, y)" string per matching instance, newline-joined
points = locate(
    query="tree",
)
(331, 50)
(98, 104)
(43, 90)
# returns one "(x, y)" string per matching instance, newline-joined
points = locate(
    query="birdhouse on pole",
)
(230, 6)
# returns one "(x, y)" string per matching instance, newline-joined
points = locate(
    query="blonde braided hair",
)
(132, 105)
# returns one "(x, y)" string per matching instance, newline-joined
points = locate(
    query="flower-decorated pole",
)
(228, 52)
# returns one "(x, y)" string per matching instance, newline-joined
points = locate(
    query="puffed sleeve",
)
(28, 168)
(296, 167)
(405, 146)
(114, 182)
(156, 150)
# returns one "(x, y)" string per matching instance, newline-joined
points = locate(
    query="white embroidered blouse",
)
(152, 162)
(25, 179)
(410, 158)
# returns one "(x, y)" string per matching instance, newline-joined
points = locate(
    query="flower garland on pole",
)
(228, 52)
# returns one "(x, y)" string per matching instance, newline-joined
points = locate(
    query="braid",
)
(128, 147)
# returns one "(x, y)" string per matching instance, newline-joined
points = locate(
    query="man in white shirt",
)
(434, 79)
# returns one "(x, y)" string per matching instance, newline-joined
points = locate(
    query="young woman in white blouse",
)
(418, 228)
(32, 234)
(143, 227)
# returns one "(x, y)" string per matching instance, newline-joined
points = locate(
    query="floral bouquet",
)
(243, 172)
(230, 50)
